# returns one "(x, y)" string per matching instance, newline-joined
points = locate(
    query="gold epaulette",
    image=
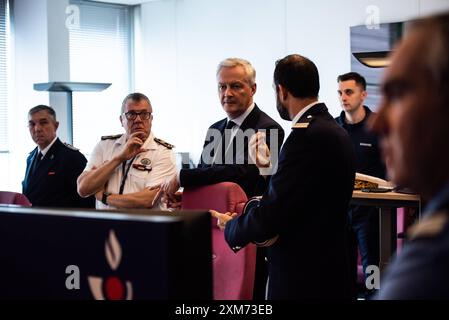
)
(112, 137)
(303, 123)
(429, 227)
(165, 144)
(68, 145)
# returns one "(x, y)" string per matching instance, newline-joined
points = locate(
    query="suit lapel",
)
(220, 126)
(30, 161)
(218, 146)
(251, 120)
(45, 164)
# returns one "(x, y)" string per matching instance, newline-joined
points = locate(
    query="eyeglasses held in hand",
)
(131, 115)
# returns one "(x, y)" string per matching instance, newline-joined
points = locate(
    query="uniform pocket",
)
(138, 180)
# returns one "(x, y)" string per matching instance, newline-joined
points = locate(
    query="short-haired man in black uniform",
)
(53, 166)
(363, 220)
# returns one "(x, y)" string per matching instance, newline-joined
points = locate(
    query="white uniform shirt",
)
(161, 159)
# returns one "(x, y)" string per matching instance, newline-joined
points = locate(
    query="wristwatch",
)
(104, 199)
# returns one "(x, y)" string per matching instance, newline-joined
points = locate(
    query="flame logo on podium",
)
(113, 288)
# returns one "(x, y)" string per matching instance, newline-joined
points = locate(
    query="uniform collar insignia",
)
(111, 137)
(163, 143)
(300, 125)
(303, 123)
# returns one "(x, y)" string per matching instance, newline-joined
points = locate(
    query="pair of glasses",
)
(131, 115)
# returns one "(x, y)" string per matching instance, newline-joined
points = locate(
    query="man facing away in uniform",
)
(53, 166)
(300, 218)
(124, 170)
(413, 123)
(364, 221)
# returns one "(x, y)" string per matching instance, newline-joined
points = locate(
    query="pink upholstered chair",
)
(233, 273)
(8, 197)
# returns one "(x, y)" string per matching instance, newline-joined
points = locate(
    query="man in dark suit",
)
(53, 166)
(225, 155)
(302, 217)
(413, 123)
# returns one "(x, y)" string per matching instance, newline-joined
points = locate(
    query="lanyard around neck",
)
(125, 171)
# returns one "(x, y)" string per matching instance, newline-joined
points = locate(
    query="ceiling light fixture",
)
(375, 59)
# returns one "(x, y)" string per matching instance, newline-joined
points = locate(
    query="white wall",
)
(183, 41)
(30, 65)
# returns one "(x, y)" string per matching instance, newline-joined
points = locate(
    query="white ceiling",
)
(128, 2)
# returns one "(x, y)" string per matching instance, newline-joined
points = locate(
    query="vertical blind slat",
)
(4, 20)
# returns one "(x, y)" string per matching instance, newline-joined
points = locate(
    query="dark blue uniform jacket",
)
(52, 183)
(306, 206)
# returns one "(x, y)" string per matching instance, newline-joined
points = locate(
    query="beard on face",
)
(283, 112)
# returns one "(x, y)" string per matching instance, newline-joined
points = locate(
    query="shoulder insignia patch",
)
(429, 227)
(303, 123)
(68, 145)
(111, 137)
(165, 144)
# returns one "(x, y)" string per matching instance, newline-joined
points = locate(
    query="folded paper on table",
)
(363, 181)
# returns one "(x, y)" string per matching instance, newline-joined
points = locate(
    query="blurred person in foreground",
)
(413, 124)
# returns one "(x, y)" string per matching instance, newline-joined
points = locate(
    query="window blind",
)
(4, 40)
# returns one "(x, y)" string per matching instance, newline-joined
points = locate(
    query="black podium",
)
(110, 255)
